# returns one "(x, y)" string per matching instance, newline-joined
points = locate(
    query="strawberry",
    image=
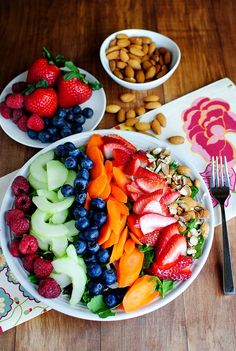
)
(134, 225)
(150, 238)
(114, 138)
(133, 192)
(35, 122)
(176, 246)
(179, 271)
(74, 88)
(41, 100)
(145, 173)
(151, 185)
(121, 157)
(152, 221)
(156, 207)
(144, 200)
(141, 156)
(168, 198)
(45, 68)
(131, 167)
(108, 149)
(165, 235)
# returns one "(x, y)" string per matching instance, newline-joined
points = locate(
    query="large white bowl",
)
(61, 303)
(160, 40)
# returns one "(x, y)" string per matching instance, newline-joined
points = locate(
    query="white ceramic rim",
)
(60, 304)
(11, 129)
(141, 32)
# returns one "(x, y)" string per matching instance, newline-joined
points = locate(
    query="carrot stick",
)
(118, 248)
(129, 246)
(135, 239)
(109, 169)
(106, 192)
(118, 193)
(95, 140)
(96, 186)
(129, 268)
(121, 179)
(105, 233)
(112, 240)
(87, 202)
(98, 159)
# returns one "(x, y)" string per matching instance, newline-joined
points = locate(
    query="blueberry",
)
(91, 234)
(87, 112)
(81, 247)
(97, 204)
(69, 146)
(80, 184)
(70, 117)
(83, 173)
(77, 129)
(58, 121)
(103, 256)
(86, 163)
(94, 270)
(82, 223)
(93, 246)
(79, 212)
(61, 112)
(44, 137)
(99, 218)
(71, 162)
(52, 130)
(81, 198)
(90, 258)
(77, 109)
(109, 276)
(79, 119)
(91, 215)
(67, 190)
(95, 288)
(60, 151)
(32, 134)
(47, 122)
(76, 153)
(110, 300)
(65, 131)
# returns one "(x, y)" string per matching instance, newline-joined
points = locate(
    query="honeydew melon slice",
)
(38, 166)
(71, 177)
(59, 217)
(47, 230)
(49, 194)
(51, 208)
(62, 279)
(36, 184)
(56, 174)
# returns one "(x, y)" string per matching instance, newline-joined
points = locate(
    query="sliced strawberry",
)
(121, 157)
(176, 246)
(131, 167)
(151, 185)
(165, 235)
(133, 191)
(170, 197)
(114, 138)
(156, 207)
(152, 221)
(145, 173)
(108, 149)
(134, 196)
(134, 225)
(142, 157)
(179, 271)
(144, 200)
(150, 238)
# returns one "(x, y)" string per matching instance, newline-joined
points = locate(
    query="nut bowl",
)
(61, 303)
(160, 41)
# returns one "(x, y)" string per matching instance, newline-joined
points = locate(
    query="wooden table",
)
(202, 318)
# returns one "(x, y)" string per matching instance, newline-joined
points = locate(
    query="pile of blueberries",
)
(89, 223)
(67, 121)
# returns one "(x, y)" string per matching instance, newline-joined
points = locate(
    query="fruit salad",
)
(47, 106)
(108, 225)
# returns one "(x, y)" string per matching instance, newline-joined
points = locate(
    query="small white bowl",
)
(160, 40)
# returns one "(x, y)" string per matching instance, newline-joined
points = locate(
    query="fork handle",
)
(228, 281)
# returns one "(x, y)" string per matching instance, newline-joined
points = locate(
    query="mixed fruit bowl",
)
(106, 225)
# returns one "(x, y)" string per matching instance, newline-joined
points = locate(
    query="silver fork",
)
(220, 189)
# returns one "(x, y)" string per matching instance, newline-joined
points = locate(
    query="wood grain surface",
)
(202, 318)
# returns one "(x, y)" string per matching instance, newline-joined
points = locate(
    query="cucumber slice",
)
(51, 208)
(50, 195)
(71, 228)
(56, 174)
(59, 217)
(71, 252)
(71, 177)
(58, 246)
(36, 184)
(59, 195)
(62, 279)
(47, 230)
(38, 166)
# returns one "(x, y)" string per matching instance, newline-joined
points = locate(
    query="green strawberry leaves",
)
(58, 61)
(32, 87)
(75, 73)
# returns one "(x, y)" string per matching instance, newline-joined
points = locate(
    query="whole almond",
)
(142, 126)
(167, 58)
(112, 65)
(161, 73)
(129, 72)
(176, 139)
(121, 115)
(136, 40)
(130, 114)
(118, 73)
(114, 55)
(112, 43)
(113, 108)
(124, 56)
(131, 122)
(135, 51)
(134, 64)
(122, 36)
(134, 57)
(156, 127)
(140, 76)
(112, 48)
(161, 119)
(123, 43)
(145, 58)
(150, 72)
(147, 65)
(127, 97)
(152, 105)
(130, 79)
(151, 98)
(140, 110)
(146, 40)
(184, 170)
(152, 48)
(161, 60)
(135, 46)
(121, 64)
(145, 49)
(162, 50)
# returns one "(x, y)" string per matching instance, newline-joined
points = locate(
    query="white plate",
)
(61, 303)
(97, 102)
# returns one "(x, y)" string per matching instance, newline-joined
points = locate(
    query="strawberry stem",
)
(75, 73)
(32, 87)
(58, 61)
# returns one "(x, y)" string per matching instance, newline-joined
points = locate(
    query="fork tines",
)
(219, 172)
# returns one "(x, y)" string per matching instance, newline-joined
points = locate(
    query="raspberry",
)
(23, 202)
(16, 115)
(14, 248)
(28, 262)
(19, 226)
(35, 122)
(28, 245)
(20, 185)
(19, 87)
(49, 288)
(5, 111)
(42, 268)
(12, 214)
(22, 123)
(15, 100)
